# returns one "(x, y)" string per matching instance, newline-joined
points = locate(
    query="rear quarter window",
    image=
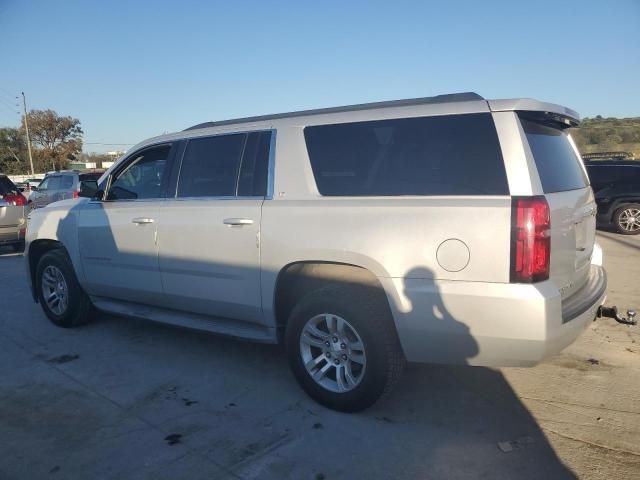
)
(558, 165)
(442, 155)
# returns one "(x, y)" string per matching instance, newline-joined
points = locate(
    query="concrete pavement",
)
(122, 398)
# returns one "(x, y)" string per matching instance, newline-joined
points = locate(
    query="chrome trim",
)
(203, 199)
(271, 167)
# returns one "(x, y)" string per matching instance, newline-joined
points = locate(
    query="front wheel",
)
(60, 295)
(627, 219)
(342, 347)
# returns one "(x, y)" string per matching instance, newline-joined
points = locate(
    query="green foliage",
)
(13, 148)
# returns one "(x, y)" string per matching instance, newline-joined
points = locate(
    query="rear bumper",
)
(12, 234)
(491, 324)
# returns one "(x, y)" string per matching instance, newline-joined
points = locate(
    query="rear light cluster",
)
(530, 239)
(76, 194)
(17, 199)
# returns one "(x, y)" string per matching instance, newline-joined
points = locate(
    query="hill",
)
(608, 135)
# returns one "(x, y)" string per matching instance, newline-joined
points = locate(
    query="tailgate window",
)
(7, 187)
(559, 167)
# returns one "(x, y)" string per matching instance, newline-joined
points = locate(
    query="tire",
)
(76, 310)
(366, 322)
(622, 217)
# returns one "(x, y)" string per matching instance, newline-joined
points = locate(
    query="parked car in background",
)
(63, 185)
(616, 186)
(13, 211)
(450, 229)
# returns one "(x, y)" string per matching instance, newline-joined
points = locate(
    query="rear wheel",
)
(627, 219)
(343, 348)
(60, 295)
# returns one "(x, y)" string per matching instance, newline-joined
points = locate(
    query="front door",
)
(118, 236)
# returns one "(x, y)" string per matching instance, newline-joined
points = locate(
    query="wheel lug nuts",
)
(343, 346)
(336, 361)
(335, 339)
(327, 343)
(344, 357)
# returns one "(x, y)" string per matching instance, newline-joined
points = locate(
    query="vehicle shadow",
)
(440, 422)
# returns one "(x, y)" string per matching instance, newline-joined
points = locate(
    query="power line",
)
(8, 104)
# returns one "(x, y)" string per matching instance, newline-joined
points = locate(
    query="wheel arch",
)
(298, 278)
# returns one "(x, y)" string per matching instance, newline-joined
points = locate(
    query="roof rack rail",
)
(447, 98)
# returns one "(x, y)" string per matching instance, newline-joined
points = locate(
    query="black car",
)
(616, 185)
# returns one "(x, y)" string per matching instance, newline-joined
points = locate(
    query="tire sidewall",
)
(60, 260)
(616, 219)
(357, 308)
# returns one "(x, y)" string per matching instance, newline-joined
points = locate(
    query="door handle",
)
(238, 221)
(142, 220)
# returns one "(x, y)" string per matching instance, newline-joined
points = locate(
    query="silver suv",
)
(449, 229)
(62, 185)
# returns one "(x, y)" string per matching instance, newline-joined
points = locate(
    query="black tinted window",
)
(142, 176)
(558, 165)
(445, 155)
(255, 163)
(7, 187)
(210, 166)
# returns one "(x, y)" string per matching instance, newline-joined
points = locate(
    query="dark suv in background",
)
(63, 185)
(616, 186)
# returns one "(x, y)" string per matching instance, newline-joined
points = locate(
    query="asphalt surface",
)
(128, 399)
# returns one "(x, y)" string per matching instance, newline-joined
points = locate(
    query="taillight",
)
(16, 199)
(76, 195)
(530, 239)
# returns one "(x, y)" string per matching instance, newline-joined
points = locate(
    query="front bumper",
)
(491, 324)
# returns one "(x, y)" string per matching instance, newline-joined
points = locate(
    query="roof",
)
(448, 98)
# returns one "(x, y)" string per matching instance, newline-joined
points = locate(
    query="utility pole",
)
(26, 127)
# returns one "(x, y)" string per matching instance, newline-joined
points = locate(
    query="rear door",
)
(571, 202)
(208, 234)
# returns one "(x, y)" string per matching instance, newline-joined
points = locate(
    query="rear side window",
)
(255, 163)
(558, 165)
(66, 182)
(7, 187)
(210, 166)
(443, 155)
(54, 183)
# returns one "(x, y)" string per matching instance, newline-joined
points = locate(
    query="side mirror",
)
(34, 189)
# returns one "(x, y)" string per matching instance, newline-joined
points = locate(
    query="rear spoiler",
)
(560, 116)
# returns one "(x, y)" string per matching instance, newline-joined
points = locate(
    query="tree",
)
(56, 139)
(13, 152)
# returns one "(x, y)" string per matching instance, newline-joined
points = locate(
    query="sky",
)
(130, 70)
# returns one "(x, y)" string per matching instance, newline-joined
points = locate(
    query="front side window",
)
(441, 155)
(210, 166)
(142, 176)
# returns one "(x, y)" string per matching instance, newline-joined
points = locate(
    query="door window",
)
(210, 166)
(142, 177)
